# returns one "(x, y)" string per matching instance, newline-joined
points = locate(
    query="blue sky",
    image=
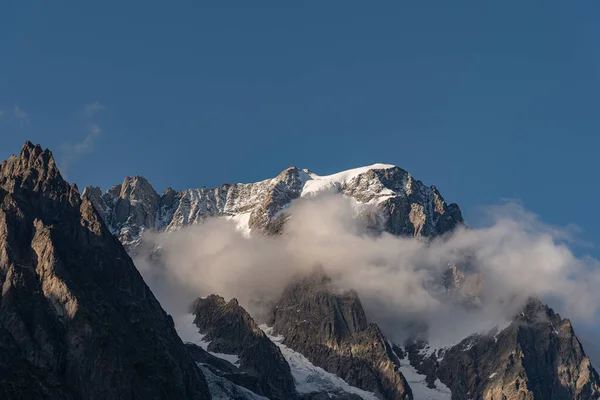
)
(486, 101)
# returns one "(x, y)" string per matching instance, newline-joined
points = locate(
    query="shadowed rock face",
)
(77, 320)
(231, 330)
(537, 357)
(331, 330)
(225, 380)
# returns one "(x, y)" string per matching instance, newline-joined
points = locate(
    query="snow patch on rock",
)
(222, 389)
(418, 384)
(310, 378)
(334, 183)
(241, 222)
(188, 332)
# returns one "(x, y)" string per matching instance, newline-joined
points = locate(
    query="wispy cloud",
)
(70, 152)
(15, 113)
(19, 113)
(86, 146)
(90, 110)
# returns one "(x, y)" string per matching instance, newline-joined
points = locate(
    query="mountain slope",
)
(312, 381)
(537, 356)
(229, 344)
(331, 330)
(229, 329)
(592, 350)
(77, 320)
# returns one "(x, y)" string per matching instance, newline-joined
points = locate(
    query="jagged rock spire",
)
(34, 168)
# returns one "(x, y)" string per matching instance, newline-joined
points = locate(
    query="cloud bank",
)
(400, 280)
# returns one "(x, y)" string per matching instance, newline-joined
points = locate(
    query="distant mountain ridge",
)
(411, 207)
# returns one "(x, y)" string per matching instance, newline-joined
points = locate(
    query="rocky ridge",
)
(234, 349)
(538, 356)
(411, 208)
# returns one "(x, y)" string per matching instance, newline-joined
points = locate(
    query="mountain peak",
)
(413, 208)
(35, 169)
(135, 184)
(136, 179)
(31, 152)
(78, 321)
(330, 329)
(28, 146)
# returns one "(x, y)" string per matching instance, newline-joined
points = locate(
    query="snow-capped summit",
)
(411, 207)
(315, 184)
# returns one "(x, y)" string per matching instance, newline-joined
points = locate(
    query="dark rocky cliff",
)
(77, 320)
(331, 330)
(231, 330)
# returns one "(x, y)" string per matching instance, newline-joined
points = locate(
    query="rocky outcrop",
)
(225, 380)
(231, 330)
(415, 210)
(536, 357)
(408, 206)
(287, 186)
(245, 383)
(77, 320)
(331, 330)
(128, 209)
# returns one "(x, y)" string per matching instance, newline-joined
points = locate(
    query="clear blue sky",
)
(486, 101)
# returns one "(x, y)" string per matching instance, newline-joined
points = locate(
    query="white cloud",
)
(70, 152)
(87, 144)
(19, 113)
(396, 278)
(90, 110)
